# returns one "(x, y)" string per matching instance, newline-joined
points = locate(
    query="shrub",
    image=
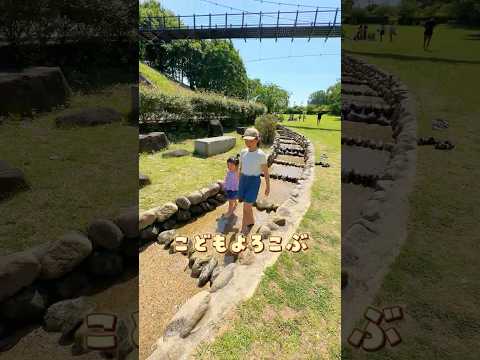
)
(153, 103)
(266, 125)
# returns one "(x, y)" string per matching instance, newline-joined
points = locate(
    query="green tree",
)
(318, 98)
(273, 97)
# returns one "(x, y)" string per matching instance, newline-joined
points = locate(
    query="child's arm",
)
(267, 179)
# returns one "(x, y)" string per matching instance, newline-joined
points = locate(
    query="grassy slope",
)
(440, 258)
(161, 81)
(295, 312)
(59, 199)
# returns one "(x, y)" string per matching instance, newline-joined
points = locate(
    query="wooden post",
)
(194, 25)
(178, 21)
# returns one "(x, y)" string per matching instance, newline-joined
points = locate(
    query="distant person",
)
(382, 32)
(427, 35)
(319, 118)
(358, 35)
(365, 31)
(231, 184)
(392, 31)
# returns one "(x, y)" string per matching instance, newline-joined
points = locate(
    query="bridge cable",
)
(295, 5)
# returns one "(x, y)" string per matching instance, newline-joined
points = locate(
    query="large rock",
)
(183, 215)
(89, 117)
(215, 128)
(183, 203)
(212, 146)
(11, 180)
(17, 271)
(147, 218)
(103, 263)
(195, 197)
(71, 285)
(128, 222)
(28, 305)
(154, 141)
(188, 316)
(39, 88)
(64, 255)
(106, 234)
(166, 211)
(63, 315)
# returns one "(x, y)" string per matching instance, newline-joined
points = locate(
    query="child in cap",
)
(253, 162)
(231, 184)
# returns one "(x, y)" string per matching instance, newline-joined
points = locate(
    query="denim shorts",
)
(232, 194)
(248, 188)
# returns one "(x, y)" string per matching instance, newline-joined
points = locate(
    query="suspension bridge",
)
(244, 25)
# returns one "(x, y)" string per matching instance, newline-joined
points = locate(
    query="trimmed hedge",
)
(154, 102)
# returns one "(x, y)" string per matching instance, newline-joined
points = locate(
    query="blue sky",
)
(299, 76)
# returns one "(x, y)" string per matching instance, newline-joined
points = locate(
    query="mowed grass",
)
(295, 312)
(75, 175)
(162, 82)
(435, 277)
(448, 43)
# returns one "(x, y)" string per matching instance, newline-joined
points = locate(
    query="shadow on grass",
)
(312, 128)
(412, 57)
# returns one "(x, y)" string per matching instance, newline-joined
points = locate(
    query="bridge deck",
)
(243, 33)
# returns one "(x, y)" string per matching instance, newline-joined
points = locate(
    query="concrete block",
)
(214, 145)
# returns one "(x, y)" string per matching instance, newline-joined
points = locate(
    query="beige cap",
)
(251, 134)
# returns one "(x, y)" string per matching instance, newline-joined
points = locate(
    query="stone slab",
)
(214, 145)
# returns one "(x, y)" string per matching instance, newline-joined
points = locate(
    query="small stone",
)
(264, 231)
(196, 210)
(166, 237)
(89, 117)
(175, 153)
(105, 233)
(272, 226)
(170, 224)
(143, 180)
(183, 202)
(198, 265)
(207, 272)
(223, 278)
(246, 257)
(71, 285)
(280, 221)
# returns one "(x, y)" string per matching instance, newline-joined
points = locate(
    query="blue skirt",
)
(248, 188)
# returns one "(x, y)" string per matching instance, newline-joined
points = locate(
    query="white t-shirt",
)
(251, 162)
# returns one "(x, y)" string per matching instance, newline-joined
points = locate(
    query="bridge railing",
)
(243, 20)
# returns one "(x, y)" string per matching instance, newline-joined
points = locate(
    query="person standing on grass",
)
(392, 31)
(382, 32)
(427, 35)
(319, 117)
(253, 162)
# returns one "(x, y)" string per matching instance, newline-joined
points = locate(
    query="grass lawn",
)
(448, 43)
(174, 177)
(435, 276)
(75, 175)
(295, 312)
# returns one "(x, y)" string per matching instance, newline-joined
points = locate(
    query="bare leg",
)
(247, 217)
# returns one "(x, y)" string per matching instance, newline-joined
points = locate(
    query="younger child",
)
(231, 184)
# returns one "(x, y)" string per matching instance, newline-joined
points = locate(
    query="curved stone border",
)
(372, 242)
(199, 319)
